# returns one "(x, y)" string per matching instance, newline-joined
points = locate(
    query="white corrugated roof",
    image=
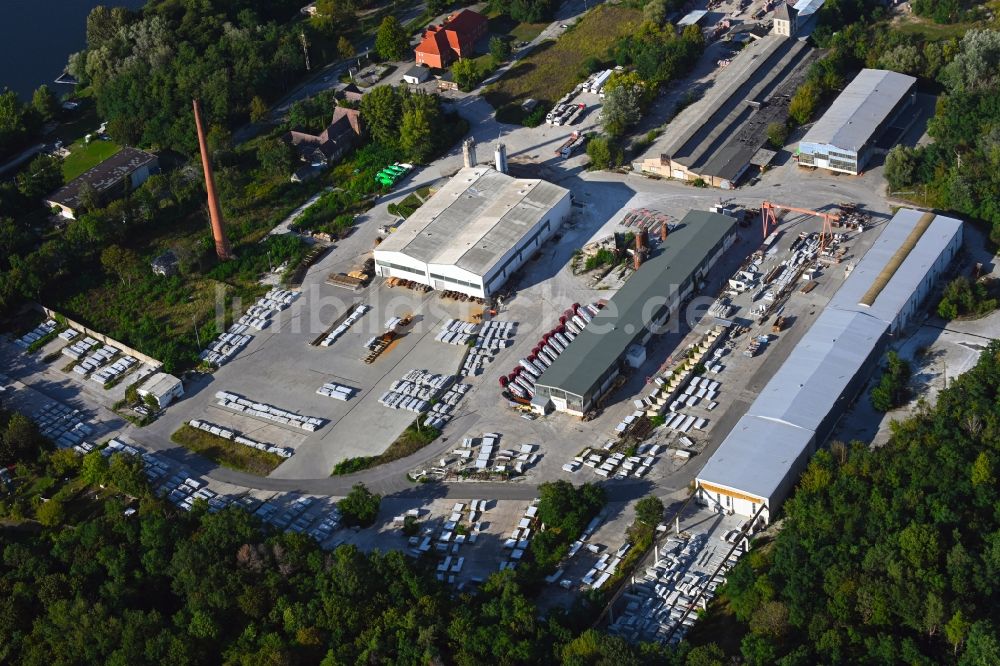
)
(807, 7)
(759, 452)
(904, 281)
(476, 218)
(819, 369)
(858, 111)
(756, 455)
(160, 384)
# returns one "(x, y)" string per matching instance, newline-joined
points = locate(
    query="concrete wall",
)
(148, 360)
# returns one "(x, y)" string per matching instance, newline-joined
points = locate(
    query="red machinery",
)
(770, 220)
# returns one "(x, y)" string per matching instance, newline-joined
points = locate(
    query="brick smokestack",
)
(222, 248)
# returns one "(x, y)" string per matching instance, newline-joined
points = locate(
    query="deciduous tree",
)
(391, 42)
(360, 507)
(44, 102)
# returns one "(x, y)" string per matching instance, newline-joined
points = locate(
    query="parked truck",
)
(571, 144)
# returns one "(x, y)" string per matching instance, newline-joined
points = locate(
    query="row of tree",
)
(960, 170)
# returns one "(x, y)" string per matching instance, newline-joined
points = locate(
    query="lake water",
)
(36, 37)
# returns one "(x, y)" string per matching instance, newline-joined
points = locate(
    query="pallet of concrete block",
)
(79, 349)
(36, 334)
(114, 370)
(457, 332)
(336, 391)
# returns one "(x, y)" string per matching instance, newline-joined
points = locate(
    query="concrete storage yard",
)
(286, 364)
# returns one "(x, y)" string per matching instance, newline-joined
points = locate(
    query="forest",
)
(145, 67)
(94, 569)
(888, 555)
(960, 170)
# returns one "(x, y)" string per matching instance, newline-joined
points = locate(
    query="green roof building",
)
(582, 374)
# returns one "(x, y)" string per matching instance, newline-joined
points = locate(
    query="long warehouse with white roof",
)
(761, 459)
(475, 232)
(867, 111)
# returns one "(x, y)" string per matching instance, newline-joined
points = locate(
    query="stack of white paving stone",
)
(234, 436)
(270, 412)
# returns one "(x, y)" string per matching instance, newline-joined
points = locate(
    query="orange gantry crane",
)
(770, 220)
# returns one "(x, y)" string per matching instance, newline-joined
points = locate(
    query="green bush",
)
(962, 298)
(892, 389)
(536, 117)
(602, 257)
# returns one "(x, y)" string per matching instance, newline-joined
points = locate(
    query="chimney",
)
(469, 152)
(640, 251)
(501, 157)
(222, 248)
(663, 231)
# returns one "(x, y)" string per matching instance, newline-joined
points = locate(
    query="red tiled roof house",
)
(453, 39)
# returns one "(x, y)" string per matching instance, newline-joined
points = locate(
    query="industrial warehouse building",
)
(867, 111)
(475, 232)
(762, 457)
(579, 377)
(114, 177)
(719, 137)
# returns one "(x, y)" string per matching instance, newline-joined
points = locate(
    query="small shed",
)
(416, 75)
(163, 387)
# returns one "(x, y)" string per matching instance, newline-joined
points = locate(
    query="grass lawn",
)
(226, 453)
(525, 32)
(553, 68)
(501, 26)
(84, 156)
(918, 25)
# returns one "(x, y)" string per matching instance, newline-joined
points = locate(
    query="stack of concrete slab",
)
(520, 537)
(336, 391)
(270, 412)
(95, 360)
(659, 606)
(119, 367)
(415, 390)
(260, 313)
(457, 332)
(36, 334)
(227, 345)
(493, 336)
(79, 349)
(234, 436)
(61, 424)
(443, 410)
